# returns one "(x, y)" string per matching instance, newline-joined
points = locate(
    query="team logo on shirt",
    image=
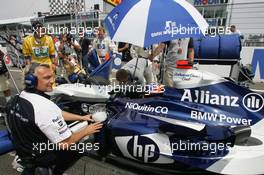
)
(41, 52)
(58, 121)
(101, 46)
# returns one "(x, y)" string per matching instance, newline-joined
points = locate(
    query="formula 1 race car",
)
(204, 121)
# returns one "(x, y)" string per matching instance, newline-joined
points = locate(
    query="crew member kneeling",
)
(139, 68)
(34, 120)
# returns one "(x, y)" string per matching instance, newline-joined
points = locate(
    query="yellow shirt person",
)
(40, 50)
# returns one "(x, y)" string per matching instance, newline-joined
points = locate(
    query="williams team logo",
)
(253, 102)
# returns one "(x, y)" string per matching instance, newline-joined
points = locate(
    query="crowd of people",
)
(73, 60)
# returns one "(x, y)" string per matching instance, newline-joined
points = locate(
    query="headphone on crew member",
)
(31, 81)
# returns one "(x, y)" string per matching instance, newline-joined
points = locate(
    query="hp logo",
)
(253, 102)
(143, 149)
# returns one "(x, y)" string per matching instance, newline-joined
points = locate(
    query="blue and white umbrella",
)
(145, 22)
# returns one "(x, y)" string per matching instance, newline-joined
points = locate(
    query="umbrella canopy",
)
(145, 22)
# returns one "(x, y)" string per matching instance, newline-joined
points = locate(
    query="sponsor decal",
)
(143, 149)
(169, 28)
(41, 52)
(169, 25)
(185, 76)
(60, 123)
(147, 108)
(206, 116)
(56, 119)
(253, 102)
(16, 111)
(206, 97)
(146, 148)
(117, 61)
(111, 22)
(62, 131)
(206, 2)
